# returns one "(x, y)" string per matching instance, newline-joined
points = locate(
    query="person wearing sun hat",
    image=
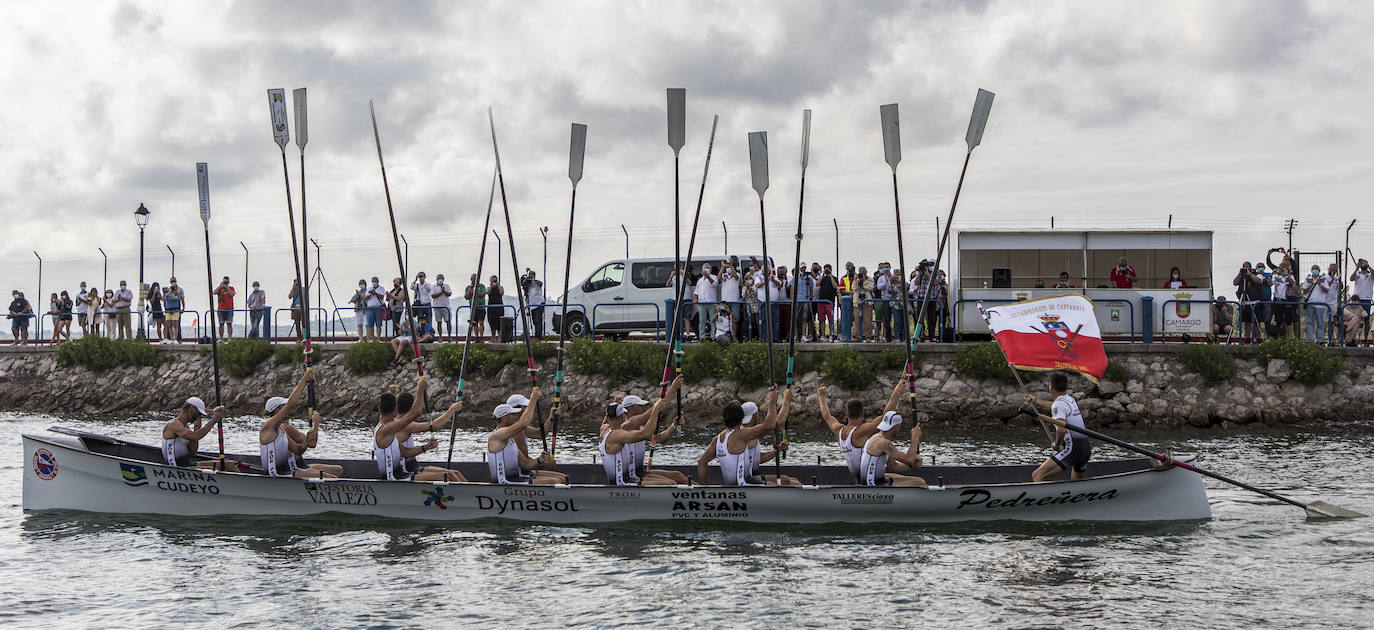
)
(519, 402)
(756, 457)
(879, 449)
(509, 466)
(634, 414)
(279, 443)
(180, 442)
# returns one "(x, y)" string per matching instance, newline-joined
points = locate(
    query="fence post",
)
(1147, 319)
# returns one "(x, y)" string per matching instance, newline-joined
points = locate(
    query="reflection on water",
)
(71, 569)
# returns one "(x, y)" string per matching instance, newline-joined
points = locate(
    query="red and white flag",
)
(1050, 333)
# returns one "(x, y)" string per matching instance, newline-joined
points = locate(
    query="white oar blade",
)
(576, 152)
(203, 188)
(298, 99)
(981, 108)
(806, 137)
(758, 161)
(677, 118)
(1322, 509)
(276, 103)
(892, 135)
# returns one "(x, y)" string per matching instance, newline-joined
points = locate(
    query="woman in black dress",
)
(495, 310)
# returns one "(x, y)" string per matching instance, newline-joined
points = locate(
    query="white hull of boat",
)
(60, 473)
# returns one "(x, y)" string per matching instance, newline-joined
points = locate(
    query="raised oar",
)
(519, 293)
(1316, 509)
(758, 172)
(302, 137)
(577, 149)
(203, 187)
(396, 242)
(982, 106)
(796, 260)
(892, 152)
(677, 137)
(676, 356)
(467, 341)
(281, 133)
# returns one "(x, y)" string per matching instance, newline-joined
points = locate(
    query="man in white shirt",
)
(706, 294)
(443, 317)
(123, 299)
(730, 288)
(768, 289)
(1073, 449)
(724, 325)
(1333, 298)
(1315, 287)
(1362, 289)
(376, 300)
(83, 306)
(534, 297)
(422, 296)
(257, 311)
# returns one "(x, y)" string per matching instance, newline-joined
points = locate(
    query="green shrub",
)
(1209, 360)
(1310, 363)
(746, 364)
(241, 357)
(894, 360)
(702, 361)
(367, 357)
(1116, 373)
(139, 353)
(849, 369)
(286, 355)
(983, 361)
(100, 354)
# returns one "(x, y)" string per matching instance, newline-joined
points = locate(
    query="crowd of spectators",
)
(1282, 302)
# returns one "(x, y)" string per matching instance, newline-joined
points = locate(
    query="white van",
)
(627, 295)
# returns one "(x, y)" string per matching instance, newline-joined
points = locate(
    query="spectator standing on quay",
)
(827, 292)
(296, 310)
(64, 317)
(706, 295)
(496, 310)
(55, 313)
(748, 324)
(767, 291)
(863, 294)
(83, 307)
(396, 301)
(534, 298)
(359, 302)
(1284, 291)
(782, 304)
(174, 300)
(123, 301)
(1314, 288)
(155, 310)
(882, 311)
(1264, 310)
(476, 295)
(421, 295)
(443, 316)
(107, 308)
(1123, 275)
(259, 313)
(376, 305)
(1333, 298)
(804, 286)
(1247, 284)
(723, 322)
(1362, 290)
(19, 314)
(729, 290)
(224, 304)
(846, 319)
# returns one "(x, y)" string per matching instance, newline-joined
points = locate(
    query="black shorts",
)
(1074, 455)
(478, 315)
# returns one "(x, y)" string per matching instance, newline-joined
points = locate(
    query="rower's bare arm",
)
(651, 425)
(664, 435)
(416, 451)
(910, 458)
(896, 397)
(706, 457)
(418, 406)
(674, 386)
(786, 407)
(284, 412)
(830, 420)
(510, 432)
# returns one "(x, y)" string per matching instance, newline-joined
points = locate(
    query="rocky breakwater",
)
(1157, 391)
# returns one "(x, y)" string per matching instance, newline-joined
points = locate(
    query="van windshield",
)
(606, 277)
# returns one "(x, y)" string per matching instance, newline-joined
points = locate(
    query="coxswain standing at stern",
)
(1074, 450)
(279, 443)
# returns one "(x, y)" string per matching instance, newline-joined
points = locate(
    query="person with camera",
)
(1248, 291)
(1333, 300)
(224, 304)
(748, 318)
(730, 290)
(421, 295)
(882, 311)
(827, 291)
(846, 315)
(259, 313)
(495, 306)
(1284, 289)
(1362, 290)
(1123, 275)
(534, 297)
(1315, 288)
(863, 312)
(1222, 317)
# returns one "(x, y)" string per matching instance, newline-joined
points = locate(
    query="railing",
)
(276, 320)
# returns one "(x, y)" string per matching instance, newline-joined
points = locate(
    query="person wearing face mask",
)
(1123, 275)
(154, 300)
(376, 302)
(748, 319)
(1333, 298)
(1363, 291)
(111, 315)
(1175, 280)
(863, 313)
(257, 312)
(359, 302)
(64, 317)
(439, 303)
(495, 311)
(421, 296)
(174, 300)
(396, 301)
(296, 314)
(19, 314)
(1315, 287)
(83, 306)
(224, 307)
(846, 297)
(476, 295)
(1247, 284)
(1283, 288)
(123, 301)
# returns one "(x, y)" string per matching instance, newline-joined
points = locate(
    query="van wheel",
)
(576, 326)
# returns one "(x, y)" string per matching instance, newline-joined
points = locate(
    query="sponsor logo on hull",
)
(862, 498)
(134, 475)
(169, 479)
(436, 497)
(44, 464)
(709, 504)
(977, 497)
(502, 506)
(341, 493)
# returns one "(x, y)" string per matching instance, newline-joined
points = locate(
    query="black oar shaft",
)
(768, 318)
(563, 328)
(467, 341)
(303, 276)
(396, 242)
(214, 340)
(910, 368)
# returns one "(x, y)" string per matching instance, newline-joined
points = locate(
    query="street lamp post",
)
(627, 239)
(319, 288)
(247, 286)
(141, 218)
(405, 273)
(174, 259)
(544, 231)
(726, 231)
(37, 313)
(105, 282)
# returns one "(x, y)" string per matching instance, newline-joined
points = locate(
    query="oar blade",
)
(982, 106)
(892, 135)
(806, 138)
(758, 161)
(276, 104)
(203, 188)
(677, 118)
(1322, 509)
(577, 150)
(298, 100)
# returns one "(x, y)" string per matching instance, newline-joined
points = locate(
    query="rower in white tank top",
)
(614, 463)
(390, 464)
(853, 455)
(176, 452)
(505, 466)
(873, 468)
(277, 458)
(734, 467)
(751, 450)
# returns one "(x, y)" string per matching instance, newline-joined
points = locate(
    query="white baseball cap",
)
(890, 419)
(198, 404)
(517, 400)
(274, 402)
(631, 401)
(503, 410)
(749, 409)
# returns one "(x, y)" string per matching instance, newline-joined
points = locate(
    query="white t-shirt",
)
(706, 290)
(1333, 291)
(722, 323)
(440, 298)
(1364, 285)
(729, 286)
(376, 296)
(1066, 408)
(83, 302)
(423, 292)
(761, 287)
(1317, 285)
(1280, 289)
(536, 294)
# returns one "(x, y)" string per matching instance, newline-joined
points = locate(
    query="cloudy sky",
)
(1107, 114)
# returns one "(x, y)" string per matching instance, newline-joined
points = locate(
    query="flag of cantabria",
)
(1051, 333)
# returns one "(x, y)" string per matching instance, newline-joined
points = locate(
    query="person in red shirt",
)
(224, 295)
(1123, 275)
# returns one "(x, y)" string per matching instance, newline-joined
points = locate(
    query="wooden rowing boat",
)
(73, 470)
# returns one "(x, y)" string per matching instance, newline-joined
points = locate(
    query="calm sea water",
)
(1255, 563)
